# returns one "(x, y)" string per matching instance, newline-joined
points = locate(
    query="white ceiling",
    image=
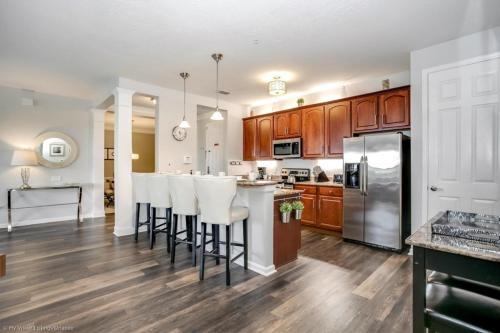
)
(76, 48)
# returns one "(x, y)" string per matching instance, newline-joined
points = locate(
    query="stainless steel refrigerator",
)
(377, 189)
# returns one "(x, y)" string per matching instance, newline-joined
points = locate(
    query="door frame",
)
(425, 120)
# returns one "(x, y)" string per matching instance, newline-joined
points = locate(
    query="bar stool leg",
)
(148, 217)
(228, 255)
(217, 244)
(137, 215)
(202, 249)
(168, 215)
(194, 220)
(174, 239)
(245, 243)
(153, 227)
(189, 231)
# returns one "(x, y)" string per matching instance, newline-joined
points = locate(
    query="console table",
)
(61, 187)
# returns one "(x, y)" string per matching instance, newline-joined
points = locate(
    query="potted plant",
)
(298, 206)
(300, 101)
(285, 210)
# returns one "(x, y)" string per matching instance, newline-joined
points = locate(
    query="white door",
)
(215, 147)
(463, 142)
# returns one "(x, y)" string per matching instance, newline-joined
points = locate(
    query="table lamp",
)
(24, 158)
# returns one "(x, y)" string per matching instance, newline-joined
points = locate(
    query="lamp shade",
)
(24, 158)
(277, 87)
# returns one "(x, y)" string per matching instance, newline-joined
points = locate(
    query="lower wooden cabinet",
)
(309, 213)
(323, 206)
(330, 212)
(286, 237)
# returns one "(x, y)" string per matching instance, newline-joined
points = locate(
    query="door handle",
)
(365, 181)
(435, 188)
(361, 176)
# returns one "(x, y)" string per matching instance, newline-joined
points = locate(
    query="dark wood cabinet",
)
(394, 109)
(309, 212)
(265, 137)
(337, 127)
(330, 210)
(249, 139)
(287, 125)
(313, 132)
(365, 114)
(323, 206)
(286, 237)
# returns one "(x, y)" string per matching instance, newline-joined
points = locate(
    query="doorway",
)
(211, 142)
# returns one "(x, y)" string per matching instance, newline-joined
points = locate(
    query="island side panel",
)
(259, 200)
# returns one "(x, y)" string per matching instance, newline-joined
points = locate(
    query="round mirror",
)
(55, 149)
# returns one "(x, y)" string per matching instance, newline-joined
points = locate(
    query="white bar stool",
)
(215, 196)
(159, 196)
(141, 198)
(184, 202)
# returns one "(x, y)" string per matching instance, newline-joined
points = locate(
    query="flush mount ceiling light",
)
(184, 123)
(277, 86)
(217, 115)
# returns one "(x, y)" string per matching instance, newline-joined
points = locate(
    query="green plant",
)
(300, 101)
(286, 207)
(298, 205)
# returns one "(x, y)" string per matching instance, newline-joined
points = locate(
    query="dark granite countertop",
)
(286, 193)
(314, 183)
(424, 237)
(256, 182)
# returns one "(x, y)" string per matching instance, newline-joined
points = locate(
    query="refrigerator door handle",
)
(365, 174)
(361, 176)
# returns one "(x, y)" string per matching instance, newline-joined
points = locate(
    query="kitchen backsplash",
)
(330, 166)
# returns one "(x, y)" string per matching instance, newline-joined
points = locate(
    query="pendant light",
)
(277, 86)
(217, 115)
(184, 123)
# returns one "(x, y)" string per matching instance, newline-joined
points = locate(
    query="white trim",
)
(262, 270)
(121, 232)
(425, 119)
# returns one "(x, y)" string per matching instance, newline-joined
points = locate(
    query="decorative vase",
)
(285, 217)
(298, 214)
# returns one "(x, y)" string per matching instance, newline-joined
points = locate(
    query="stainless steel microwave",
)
(287, 148)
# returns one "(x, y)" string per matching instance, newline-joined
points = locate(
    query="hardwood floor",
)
(80, 278)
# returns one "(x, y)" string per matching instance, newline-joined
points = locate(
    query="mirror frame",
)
(59, 135)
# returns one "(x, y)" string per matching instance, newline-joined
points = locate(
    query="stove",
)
(300, 175)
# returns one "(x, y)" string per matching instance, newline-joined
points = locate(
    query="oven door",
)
(286, 149)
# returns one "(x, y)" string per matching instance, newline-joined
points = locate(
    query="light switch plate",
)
(188, 159)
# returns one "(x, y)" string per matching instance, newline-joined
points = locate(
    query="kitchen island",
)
(458, 258)
(259, 197)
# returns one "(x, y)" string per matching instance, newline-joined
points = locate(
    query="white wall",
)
(470, 46)
(20, 125)
(359, 87)
(170, 152)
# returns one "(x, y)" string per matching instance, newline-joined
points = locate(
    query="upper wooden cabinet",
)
(337, 127)
(313, 132)
(365, 114)
(265, 137)
(287, 124)
(394, 109)
(249, 139)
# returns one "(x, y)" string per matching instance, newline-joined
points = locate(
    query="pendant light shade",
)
(277, 86)
(184, 123)
(217, 115)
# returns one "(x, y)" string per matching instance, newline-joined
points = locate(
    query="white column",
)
(97, 162)
(124, 208)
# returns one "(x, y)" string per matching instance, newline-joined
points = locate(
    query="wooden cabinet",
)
(323, 206)
(258, 138)
(313, 132)
(365, 114)
(264, 137)
(330, 210)
(287, 125)
(309, 213)
(249, 139)
(286, 237)
(337, 127)
(394, 109)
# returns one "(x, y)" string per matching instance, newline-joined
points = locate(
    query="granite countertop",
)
(248, 183)
(284, 193)
(424, 237)
(315, 183)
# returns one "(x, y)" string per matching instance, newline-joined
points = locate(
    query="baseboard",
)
(262, 270)
(121, 232)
